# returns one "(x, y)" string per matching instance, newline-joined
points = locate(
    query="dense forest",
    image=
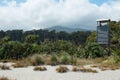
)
(17, 44)
(78, 37)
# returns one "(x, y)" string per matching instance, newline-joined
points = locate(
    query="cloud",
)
(35, 14)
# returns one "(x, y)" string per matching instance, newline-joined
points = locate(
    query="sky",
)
(41, 14)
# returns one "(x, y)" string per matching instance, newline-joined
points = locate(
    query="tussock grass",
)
(104, 67)
(88, 70)
(51, 60)
(20, 64)
(62, 69)
(35, 60)
(4, 67)
(75, 69)
(90, 61)
(37, 68)
(95, 66)
(109, 64)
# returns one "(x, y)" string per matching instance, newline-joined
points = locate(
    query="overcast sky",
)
(39, 14)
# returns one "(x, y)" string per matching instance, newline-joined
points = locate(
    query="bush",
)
(104, 67)
(62, 69)
(75, 69)
(117, 56)
(73, 60)
(20, 65)
(4, 67)
(65, 59)
(88, 70)
(36, 60)
(93, 50)
(11, 50)
(54, 60)
(40, 68)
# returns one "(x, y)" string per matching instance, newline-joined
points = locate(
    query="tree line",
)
(78, 37)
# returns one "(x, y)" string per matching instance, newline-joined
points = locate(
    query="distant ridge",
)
(66, 29)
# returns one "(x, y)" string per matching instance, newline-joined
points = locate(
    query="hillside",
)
(66, 29)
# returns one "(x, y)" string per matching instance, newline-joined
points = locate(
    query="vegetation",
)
(40, 68)
(4, 67)
(54, 60)
(58, 47)
(35, 60)
(94, 50)
(62, 69)
(75, 69)
(65, 59)
(20, 64)
(88, 70)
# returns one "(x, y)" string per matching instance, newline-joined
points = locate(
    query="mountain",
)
(69, 30)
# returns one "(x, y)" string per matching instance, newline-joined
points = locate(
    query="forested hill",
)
(78, 37)
(66, 29)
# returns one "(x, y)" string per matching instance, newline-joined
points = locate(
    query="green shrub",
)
(36, 60)
(53, 60)
(94, 50)
(73, 60)
(117, 56)
(64, 59)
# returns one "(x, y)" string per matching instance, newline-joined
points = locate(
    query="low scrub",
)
(109, 64)
(37, 68)
(35, 60)
(53, 60)
(65, 59)
(104, 67)
(4, 67)
(19, 65)
(95, 66)
(62, 69)
(88, 70)
(75, 69)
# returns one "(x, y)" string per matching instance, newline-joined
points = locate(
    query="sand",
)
(29, 74)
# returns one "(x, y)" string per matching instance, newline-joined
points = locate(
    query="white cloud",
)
(35, 14)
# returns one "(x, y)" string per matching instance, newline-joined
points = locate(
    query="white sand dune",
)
(51, 74)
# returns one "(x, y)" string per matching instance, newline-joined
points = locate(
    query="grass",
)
(95, 66)
(20, 64)
(50, 59)
(35, 60)
(75, 69)
(62, 69)
(104, 67)
(88, 70)
(53, 60)
(90, 61)
(4, 67)
(37, 68)
(108, 64)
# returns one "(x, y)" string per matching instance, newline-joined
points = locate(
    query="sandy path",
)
(51, 74)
